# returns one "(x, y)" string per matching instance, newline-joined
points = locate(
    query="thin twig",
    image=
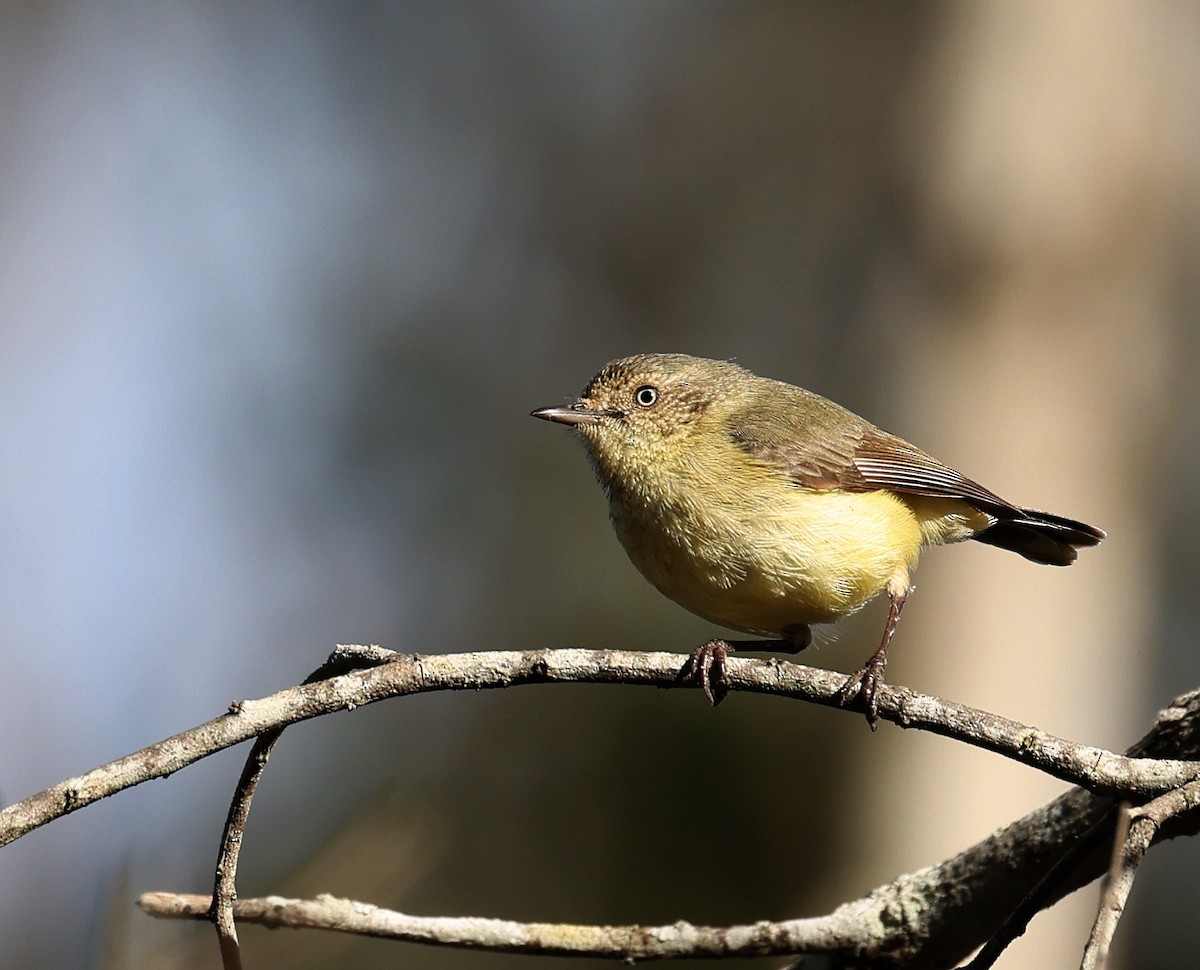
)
(1043, 893)
(1170, 734)
(1136, 831)
(341, 661)
(825, 934)
(928, 919)
(1092, 768)
(946, 909)
(1127, 855)
(1047, 890)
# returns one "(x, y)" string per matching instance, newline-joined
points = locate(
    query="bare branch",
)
(1136, 830)
(1046, 891)
(827, 934)
(1093, 768)
(927, 919)
(1127, 855)
(924, 920)
(341, 661)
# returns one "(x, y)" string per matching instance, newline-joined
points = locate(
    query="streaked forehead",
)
(651, 367)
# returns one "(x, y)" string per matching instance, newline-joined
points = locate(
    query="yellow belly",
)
(796, 556)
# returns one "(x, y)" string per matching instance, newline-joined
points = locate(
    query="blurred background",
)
(281, 284)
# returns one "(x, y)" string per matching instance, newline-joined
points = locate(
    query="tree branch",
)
(1093, 768)
(1136, 830)
(928, 919)
(679, 939)
(341, 661)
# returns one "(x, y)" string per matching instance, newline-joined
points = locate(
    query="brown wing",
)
(850, 454)
(823, 465)
(847, 452)
(885, 461)
(806, 437)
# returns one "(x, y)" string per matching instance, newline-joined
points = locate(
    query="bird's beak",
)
(577, 413)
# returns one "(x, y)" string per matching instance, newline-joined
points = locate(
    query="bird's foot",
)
(865, 684)
(706, 666)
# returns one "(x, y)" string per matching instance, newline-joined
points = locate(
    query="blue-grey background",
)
(280, 286)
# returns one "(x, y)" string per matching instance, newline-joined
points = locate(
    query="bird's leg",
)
(869, 679)
(707, 662)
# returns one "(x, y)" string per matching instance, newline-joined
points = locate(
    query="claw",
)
(865, 683)
(707, 666)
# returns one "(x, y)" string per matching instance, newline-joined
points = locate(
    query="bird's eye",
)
(645, 396)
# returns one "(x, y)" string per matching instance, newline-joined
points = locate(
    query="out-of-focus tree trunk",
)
(1043, 162)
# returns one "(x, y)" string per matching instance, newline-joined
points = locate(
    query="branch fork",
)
(1123, 805)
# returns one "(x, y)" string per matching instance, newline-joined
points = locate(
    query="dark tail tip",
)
(1042, 537)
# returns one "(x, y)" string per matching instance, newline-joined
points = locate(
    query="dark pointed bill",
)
(574, 414)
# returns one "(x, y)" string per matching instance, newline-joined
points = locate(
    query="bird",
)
(766, 508)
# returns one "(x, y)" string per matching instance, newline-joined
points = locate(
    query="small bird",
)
(766, 508)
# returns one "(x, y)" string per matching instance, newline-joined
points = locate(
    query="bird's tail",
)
(1041, 536)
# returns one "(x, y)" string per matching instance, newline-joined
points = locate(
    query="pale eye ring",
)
(645, 396)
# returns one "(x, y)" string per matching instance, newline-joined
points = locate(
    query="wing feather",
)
(820, 445)
(885, 461)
